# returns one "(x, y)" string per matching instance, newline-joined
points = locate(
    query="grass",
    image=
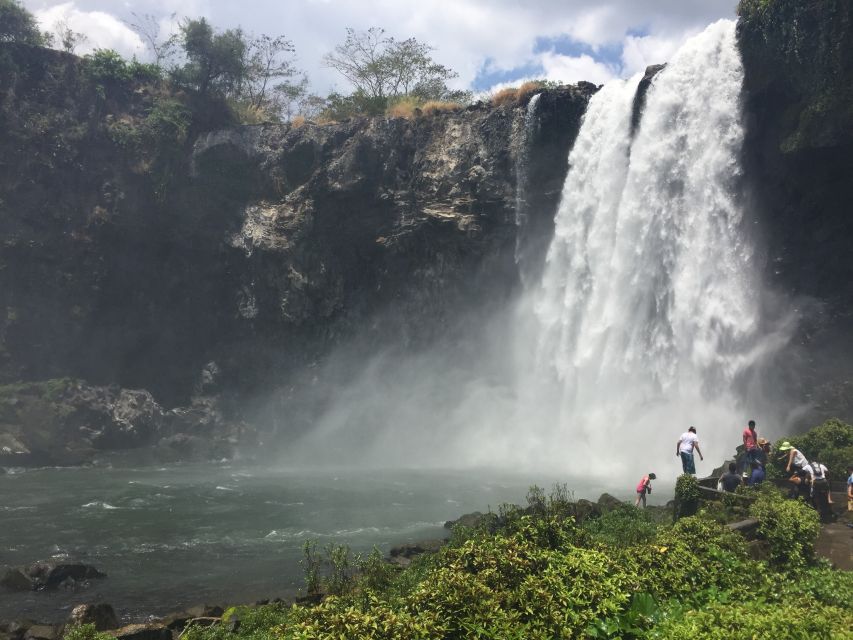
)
(518, 95)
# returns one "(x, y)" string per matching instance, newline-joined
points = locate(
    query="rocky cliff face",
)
(798, 163)
(263, 247)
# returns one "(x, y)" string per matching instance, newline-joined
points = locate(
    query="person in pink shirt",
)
(644, 487)
(750, 443)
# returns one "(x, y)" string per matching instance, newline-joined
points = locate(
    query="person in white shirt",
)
(684, 448)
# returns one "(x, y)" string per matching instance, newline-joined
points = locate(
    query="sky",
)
(489, 43)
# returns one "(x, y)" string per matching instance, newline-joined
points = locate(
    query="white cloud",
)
(638, 52)
(465, 33)
(571, 69)
(102, 30)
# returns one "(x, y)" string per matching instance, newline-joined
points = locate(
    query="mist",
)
(650, 314)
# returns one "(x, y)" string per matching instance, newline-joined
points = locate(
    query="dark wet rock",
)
(42, 632)
(206, 611)
(102, 615)
(146, 631)
(640, 95)
(758, 550)
(607, 502)
(233, 625)
(49, 575)
(469, 520)
(16, 628)
(67, 422)
(585, 509)
(16, 580)
(798, 156)
(403, 554)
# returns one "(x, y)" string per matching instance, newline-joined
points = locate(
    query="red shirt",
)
(749, 439)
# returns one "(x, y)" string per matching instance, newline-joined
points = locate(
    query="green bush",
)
(622, 527)
(750, 617)
(830, 443)
(106, 68)
(695, 557)
(686, 495)
(789, 526)
(86, 632)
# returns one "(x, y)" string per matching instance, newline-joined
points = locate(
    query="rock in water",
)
(16, 580)
(52, 576)
(41, 632)
(101, 615)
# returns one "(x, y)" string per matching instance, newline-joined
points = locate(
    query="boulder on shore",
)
(146, 631)
(102, 615)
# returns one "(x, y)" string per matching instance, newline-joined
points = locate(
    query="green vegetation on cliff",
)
(800, 50)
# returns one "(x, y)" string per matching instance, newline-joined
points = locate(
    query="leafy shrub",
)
(145, 72)
(622, 527)
(18, 25)
(86, 632)
(789, 526)
(830, 443)
(686, 495)
(106, 67)
(753, 618)
(825, 585)
(696, 557)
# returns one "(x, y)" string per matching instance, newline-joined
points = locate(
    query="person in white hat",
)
(796, 462)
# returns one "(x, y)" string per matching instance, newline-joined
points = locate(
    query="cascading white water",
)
(648, 308)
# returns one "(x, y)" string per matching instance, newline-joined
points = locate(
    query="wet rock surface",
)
(101, 615)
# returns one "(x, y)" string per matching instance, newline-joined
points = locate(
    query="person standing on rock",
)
(684, 449)
(750, 443)
(643, 488)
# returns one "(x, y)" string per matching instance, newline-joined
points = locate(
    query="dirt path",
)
(835, 542)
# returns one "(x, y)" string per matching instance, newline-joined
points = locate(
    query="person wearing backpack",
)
(818, 480)
(644, 487)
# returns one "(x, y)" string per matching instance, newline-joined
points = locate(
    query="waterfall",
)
(522, 180)
(648, 308)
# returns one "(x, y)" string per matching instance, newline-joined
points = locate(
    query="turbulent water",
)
(183, 535)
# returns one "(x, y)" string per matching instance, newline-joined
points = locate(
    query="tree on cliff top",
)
(18, 25)
(382, 69)
(215, 61)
